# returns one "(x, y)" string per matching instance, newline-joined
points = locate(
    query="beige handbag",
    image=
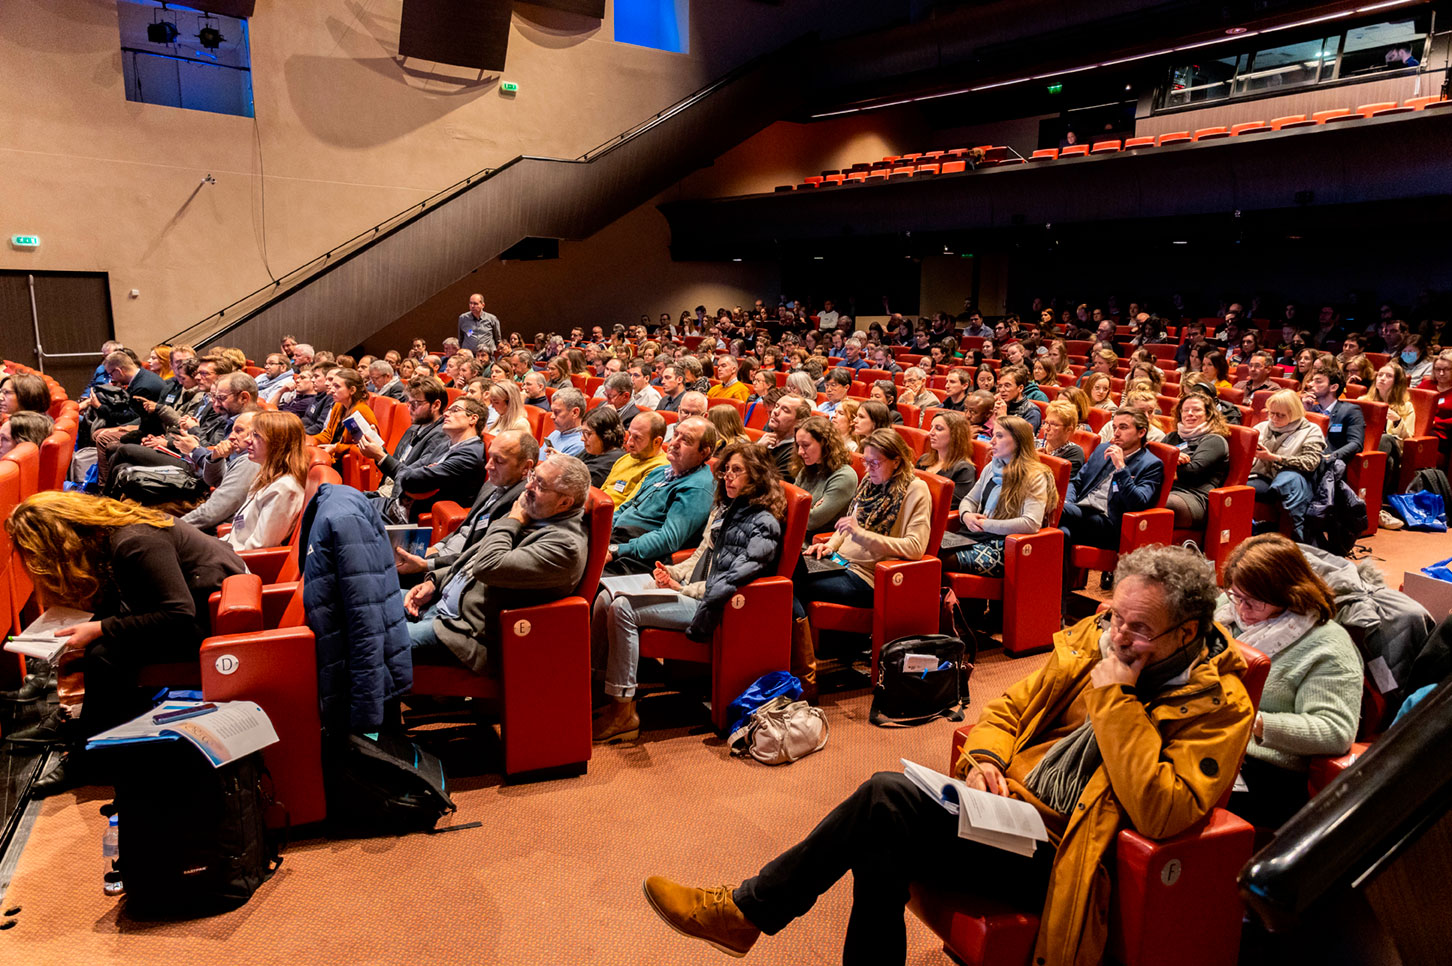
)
(781, 731)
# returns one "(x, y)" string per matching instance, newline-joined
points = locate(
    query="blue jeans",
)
(623, 620)
(1292, 490)
(421, 630)
(830, 587)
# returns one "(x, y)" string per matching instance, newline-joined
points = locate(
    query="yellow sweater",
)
(626, 474)
(737, 390)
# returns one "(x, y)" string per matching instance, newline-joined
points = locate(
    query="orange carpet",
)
(554, 874)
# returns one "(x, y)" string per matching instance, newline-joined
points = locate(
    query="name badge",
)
(619, 486)
(1335, 427)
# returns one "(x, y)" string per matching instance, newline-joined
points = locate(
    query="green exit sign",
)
(25, 241)
(509, 87)
(1055, 88)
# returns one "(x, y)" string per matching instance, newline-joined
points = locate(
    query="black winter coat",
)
(741, 544)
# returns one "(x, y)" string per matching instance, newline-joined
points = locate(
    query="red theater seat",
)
(1139, 529)
(1105, 147)
(1231, 505)
(1174, 138)
(1131, 143)
(1211, 133)
(754, 636)
(1248, 127)
(1044, 154)
(1074, 150)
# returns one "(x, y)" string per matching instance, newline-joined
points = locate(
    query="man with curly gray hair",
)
(1138, 719)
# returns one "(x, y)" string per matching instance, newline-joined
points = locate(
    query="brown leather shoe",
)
(804, 659)
(708, 914)
(617, 721)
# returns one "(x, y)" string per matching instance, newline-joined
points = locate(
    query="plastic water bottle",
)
(110, 852)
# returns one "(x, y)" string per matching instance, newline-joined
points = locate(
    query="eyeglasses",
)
(733, 471)
(532, 481)
(418, 402)
(1138, 632)
(456, 409)
(873, 464)
(1240, 600)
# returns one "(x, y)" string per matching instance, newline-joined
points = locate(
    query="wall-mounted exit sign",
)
(25, 242)
(509, 87)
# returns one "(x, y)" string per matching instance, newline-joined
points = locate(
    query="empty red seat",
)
(813, 180)
(1438, 105)
(1248, 127)
(1417, 103)
(1174, 138)
(1367, 110)
(927, 169)
(857, 176)
(953, 167)
(1044, 154)
(906, 171)
(1105, 147)
(1131, 143)
(1321, 117)
(1211, 133)
(833, 179)
(1290, 120)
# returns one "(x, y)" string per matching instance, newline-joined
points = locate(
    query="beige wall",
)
(346, 135)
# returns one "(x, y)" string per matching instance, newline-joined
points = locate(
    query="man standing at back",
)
(479, 329)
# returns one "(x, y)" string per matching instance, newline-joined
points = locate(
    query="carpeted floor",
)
(554, 874)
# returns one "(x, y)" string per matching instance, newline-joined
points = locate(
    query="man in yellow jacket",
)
(1138, 718)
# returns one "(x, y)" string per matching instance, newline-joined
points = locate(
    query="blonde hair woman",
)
(1014, 494)
(1286, 454)
(506, 400)
(144, 577)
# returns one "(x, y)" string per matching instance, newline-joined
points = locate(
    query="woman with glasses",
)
(889, 519)
(1276, 604)
(1286, 454)
(741, 541)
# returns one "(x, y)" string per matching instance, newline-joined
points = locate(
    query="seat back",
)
(55, 460)
(916, 439)
(27, 457)
(1424, 402)
(1242, 454)
(1061, 470)
(1256, 671)
(793, 529)
(601, 511)
(1169, 457)
(941, 490)
(1375, 415)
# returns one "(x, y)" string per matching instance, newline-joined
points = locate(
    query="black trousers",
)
(1087, 528)
(113, 669)
(888, 834)
(1275, 794)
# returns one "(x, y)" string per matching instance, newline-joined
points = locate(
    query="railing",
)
(221, 322)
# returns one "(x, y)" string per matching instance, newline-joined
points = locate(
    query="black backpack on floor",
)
(387, 786)
(193, 838)
(1433, 481)
(904, 697)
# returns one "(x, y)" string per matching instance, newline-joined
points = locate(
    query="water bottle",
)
(110, 852)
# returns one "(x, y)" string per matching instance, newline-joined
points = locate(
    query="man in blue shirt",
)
(568, 407)
(479, 329)
(1121, 476)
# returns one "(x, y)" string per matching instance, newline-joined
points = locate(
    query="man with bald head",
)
(691, 403)
(479, 329)
(670, 506)
(643, 453)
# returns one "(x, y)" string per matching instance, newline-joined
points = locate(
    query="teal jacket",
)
(668, 514)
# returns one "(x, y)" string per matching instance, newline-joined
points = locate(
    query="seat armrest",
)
(239, 605)
(266, 562)
(447, 515)
(1324, 769)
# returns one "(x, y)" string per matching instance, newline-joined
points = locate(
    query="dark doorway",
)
(72, 313)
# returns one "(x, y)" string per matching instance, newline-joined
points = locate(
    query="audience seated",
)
(1061, 420)
(1286, 455)
(506, 400)
(670, 504)
(1201, 436)
(950, 452)
(1121, 476)
(823, 468)
(890, 518)
(1346, 433)
(24, 427)
(740, 542)
(1014, 495)
(1311, 703)
(349, 396)
(274, 444)
(780, 437)
(452, 472)
(602, 435)
(144, 576)
(1139, 720)
(230, 471)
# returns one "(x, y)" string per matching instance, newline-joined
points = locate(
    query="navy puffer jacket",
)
(352, 603)
(744, 544)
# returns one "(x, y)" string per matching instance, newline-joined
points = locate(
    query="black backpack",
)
(390, 786)
(903, 698)
(193, 838)
(153, 485)
(1433, 481)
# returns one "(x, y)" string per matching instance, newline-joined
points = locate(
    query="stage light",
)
(210, 37)
(162, 32)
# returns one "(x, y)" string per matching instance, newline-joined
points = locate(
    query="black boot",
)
(71, 770)
(58, 727)
(32, 690)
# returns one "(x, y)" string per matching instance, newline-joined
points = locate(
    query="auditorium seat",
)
(1044, 154)
(1174, 900)
(1418, 103)
(279, 564)
(754, 636)
(916, 439)
(1142, 142)
(1231, 505)
(1366, 471)
(1420, 452)
(55, 459)
(1211, 133)
(1380, 107)
(905, 592)
(1248, 127)
(1074, 150)
(1105, 147)
(1138, 529)
(953, 167)
(1321, 117)
(1176, 137)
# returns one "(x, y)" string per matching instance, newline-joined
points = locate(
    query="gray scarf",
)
(1059, 779)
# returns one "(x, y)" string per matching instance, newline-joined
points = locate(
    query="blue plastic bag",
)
(1422, 510)
(762, 690)
(1440, 571)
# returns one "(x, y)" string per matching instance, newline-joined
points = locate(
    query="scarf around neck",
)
(1270, 637)
(879, 505)
(1189, 433)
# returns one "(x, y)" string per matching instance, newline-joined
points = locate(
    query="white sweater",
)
(268, 516)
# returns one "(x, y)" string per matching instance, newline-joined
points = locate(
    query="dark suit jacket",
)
(419, 445)
(491, 504)
(454, 475)
(1133, 488)
(1346, 434)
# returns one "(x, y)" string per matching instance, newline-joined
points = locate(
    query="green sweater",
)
(1312, 699)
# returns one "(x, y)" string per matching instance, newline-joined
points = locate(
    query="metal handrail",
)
(198, 331)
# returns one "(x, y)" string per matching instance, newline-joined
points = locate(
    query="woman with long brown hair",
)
(144, 576)
(729, 427)
(350, 395)
(950, 452)
(741, 541)
(822, 466)
(275, 499)
(1014, 494)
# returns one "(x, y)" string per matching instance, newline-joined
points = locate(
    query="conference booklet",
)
(1004, 823)
(38, 640)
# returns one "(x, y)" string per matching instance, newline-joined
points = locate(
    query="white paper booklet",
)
(362, 429)
(232, 730)
(1004, 823)
(636, 585)
(39, 640)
